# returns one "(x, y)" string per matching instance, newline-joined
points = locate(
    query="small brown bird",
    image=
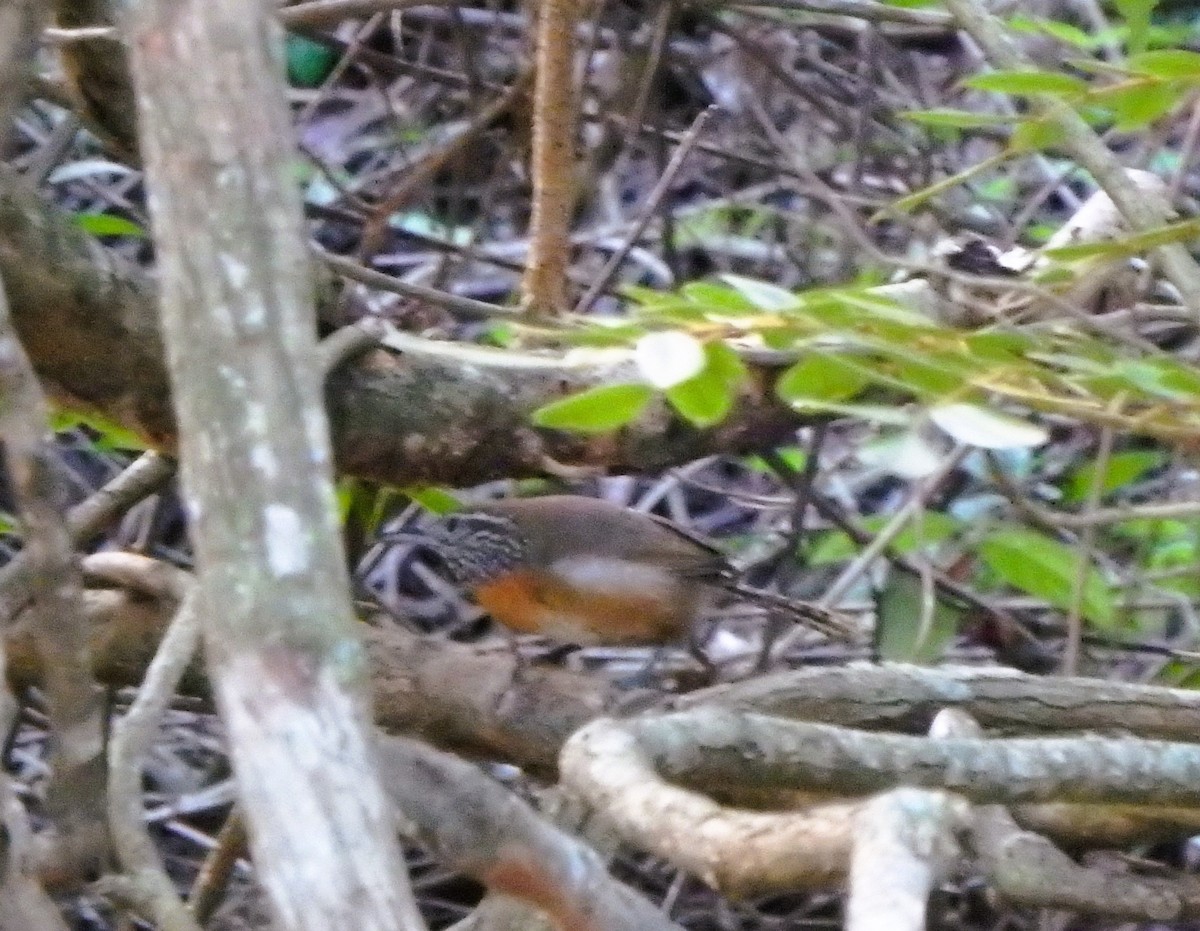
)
(585, 571)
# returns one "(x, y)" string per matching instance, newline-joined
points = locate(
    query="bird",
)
(591, 572)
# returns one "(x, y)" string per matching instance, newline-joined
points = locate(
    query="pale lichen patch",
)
(288, 551)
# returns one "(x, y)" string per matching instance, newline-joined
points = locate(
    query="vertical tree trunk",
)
(238, 323)
(544, 286)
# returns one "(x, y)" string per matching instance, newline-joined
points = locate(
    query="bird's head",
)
(474, 546)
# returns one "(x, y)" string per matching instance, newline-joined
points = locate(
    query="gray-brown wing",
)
(578, 525)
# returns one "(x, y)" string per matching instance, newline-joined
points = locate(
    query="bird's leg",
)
(642, 677)
(696, 651)
(520, 663)
(773, 627)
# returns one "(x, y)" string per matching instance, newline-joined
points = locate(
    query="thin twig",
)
(917, 500)
(649, 209)
(218, 866)
(464, 308)
(133, 736)
(1087, 541)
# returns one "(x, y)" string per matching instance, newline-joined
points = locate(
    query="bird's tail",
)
(833, 624)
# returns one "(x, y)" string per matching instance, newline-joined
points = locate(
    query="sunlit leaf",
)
(1136, 14)
(1026, 82)
(703, 400)
(761, 294)
(597, 410)
(723, 298)
(105, 224)
(110, 435)
(987, 429)
(666, 359)
(87, 168)
(1035, 135)
(888, 414)
(432, 498)
(908, 455)
(707, 398)
(1169, 64)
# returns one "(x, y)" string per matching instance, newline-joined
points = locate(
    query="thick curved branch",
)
(465, 699)
(475, 825)
(438, 412)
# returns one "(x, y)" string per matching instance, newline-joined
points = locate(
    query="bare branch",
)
(475, 825)
(59, 625)
(133, 737)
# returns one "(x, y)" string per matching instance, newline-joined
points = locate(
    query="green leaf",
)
(1163, 377)
(955, 119)
(1123, 469)
(1034, 135)
(1045, 568)
(646, 297)
(820, 377)
(1168, 64)
(1064, 32)
(597, 410)
(707, 398)
(703, 400)
(900, 635)
(1138, 105)
(1136, 14)
(105, 224)
(1129, 245)
(793, 456)
(1027, 82)
(432, 498)
(366, 505)
(308, 62)
(722, 360)
(110, 435)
